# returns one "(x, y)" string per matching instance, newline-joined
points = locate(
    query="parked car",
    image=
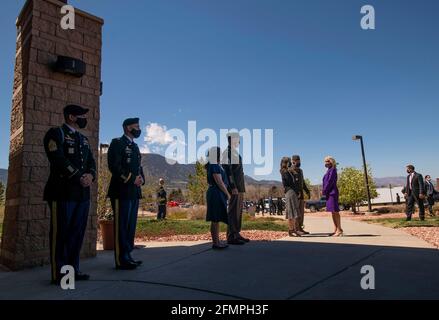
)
(317, 205)
(172, 204)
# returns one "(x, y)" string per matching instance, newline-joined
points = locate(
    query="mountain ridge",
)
(157, 166)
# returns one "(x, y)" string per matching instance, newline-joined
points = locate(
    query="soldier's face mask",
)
(136, 132)
(81, 122)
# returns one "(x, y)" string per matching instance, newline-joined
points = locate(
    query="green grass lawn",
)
(401, 223)
(153, 228)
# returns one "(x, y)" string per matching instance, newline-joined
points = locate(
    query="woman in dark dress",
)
(216, 195)
(330, 191)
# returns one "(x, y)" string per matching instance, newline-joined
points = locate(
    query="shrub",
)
(197, 213)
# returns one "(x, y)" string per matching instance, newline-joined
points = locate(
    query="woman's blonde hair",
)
(332, 160)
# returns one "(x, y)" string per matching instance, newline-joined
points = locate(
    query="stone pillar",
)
(39, 96)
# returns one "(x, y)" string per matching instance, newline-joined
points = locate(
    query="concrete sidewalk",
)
(314, 267)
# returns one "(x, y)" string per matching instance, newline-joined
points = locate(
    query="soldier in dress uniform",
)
(72, 171)
(161, 200)
(124, 162)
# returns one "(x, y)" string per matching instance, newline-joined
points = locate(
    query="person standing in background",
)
(271, 206)
(217, 196)
(232, 164)
(161, 200)
(430, 191)
(414, 193)
(302, 188)
(280, 206)
(330, 191)
(292, 200)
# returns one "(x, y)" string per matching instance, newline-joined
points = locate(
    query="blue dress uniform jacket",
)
(124, 162)
(70, 157)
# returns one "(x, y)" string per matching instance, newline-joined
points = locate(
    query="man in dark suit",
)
(414, 193)
(430, 191)
(302, 187)
(232, 163)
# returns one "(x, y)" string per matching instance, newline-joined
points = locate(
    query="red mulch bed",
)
(428, 234)
(254, 235)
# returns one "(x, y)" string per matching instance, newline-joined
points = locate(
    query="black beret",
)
(296, 157)
(74, 110)
(130, 121)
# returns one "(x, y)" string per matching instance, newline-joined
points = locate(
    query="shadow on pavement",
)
(258, 270)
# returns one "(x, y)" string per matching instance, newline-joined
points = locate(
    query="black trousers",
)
(430, 201)
(234, 212)
(125, 221)
(411, 201)
(161, 214)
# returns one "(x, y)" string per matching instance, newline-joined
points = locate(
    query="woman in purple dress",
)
(330, 191)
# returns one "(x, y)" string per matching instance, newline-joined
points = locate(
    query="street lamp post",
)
(366, 179)
(103, 148)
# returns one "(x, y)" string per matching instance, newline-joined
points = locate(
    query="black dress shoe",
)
(127, 266)
(244, 239)
(236, 242)
(137, 262)
(82, 276)
(220, 247)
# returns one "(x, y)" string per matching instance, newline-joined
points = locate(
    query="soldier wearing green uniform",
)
(161, 200)
(124, 162)
(72, 172)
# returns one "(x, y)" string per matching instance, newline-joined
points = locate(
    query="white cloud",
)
(157, 134)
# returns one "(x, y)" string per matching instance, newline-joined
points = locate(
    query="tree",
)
(197, 185)
(103, 205)
(352, 187)
(310, 188)
(2, 194)
(176, 195)
(149, 194)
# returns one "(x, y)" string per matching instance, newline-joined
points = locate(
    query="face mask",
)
(136, 133)
(81, 122)
(297, 165)
(328, 165)
(408, 171)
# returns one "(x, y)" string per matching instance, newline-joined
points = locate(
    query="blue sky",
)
(303, 68)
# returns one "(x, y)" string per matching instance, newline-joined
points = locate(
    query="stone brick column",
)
(39, 96)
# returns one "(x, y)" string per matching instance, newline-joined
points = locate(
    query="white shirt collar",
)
(71, 128)
(131, 140)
